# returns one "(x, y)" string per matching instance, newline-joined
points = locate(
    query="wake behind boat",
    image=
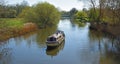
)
(56, 38)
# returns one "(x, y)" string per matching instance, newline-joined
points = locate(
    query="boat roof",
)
(58, 31)
(56, 35)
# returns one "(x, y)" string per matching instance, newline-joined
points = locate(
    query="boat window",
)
(51, 39)
(60, 36)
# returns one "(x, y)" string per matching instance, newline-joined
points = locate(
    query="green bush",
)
(81, 16)
(42, 14)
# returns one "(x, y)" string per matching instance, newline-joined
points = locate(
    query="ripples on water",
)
(81, 46)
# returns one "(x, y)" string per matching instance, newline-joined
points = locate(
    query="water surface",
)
(81, 46)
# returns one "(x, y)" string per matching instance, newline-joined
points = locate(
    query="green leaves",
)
(81, 16)
(42, 14)
(94, 15)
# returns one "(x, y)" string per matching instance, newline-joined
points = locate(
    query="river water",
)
(81, 46)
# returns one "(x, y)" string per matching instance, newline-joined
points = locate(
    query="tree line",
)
(74, 14)
(11, 11)
(42, 13)
(98, 11)
(107, 11)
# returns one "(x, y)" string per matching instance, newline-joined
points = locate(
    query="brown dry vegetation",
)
(13, 32)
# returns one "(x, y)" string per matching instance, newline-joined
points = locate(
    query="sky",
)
(66, 5)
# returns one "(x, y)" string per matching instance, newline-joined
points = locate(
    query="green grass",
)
(11, 23)
(12, 27)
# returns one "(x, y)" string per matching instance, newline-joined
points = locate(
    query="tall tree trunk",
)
(100, 12)
(93, 4)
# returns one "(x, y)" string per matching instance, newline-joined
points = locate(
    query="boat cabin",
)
(55, 36)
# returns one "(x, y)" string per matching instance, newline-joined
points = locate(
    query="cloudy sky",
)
(62, 4)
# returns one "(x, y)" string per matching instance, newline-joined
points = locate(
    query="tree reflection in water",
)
(43, 34)
(5, 53)
(108, 47)
(78, 23)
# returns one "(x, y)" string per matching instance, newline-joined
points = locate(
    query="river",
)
(81, 46)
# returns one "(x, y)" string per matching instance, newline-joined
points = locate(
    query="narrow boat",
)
(55, 39)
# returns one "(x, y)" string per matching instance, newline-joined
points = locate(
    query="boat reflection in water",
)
(53, 51)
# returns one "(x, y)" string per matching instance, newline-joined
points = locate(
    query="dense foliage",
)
(11, 11)
(81, 16)
(42, 13)
(104, 11)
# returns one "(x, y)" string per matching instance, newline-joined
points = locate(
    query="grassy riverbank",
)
(12, 27)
